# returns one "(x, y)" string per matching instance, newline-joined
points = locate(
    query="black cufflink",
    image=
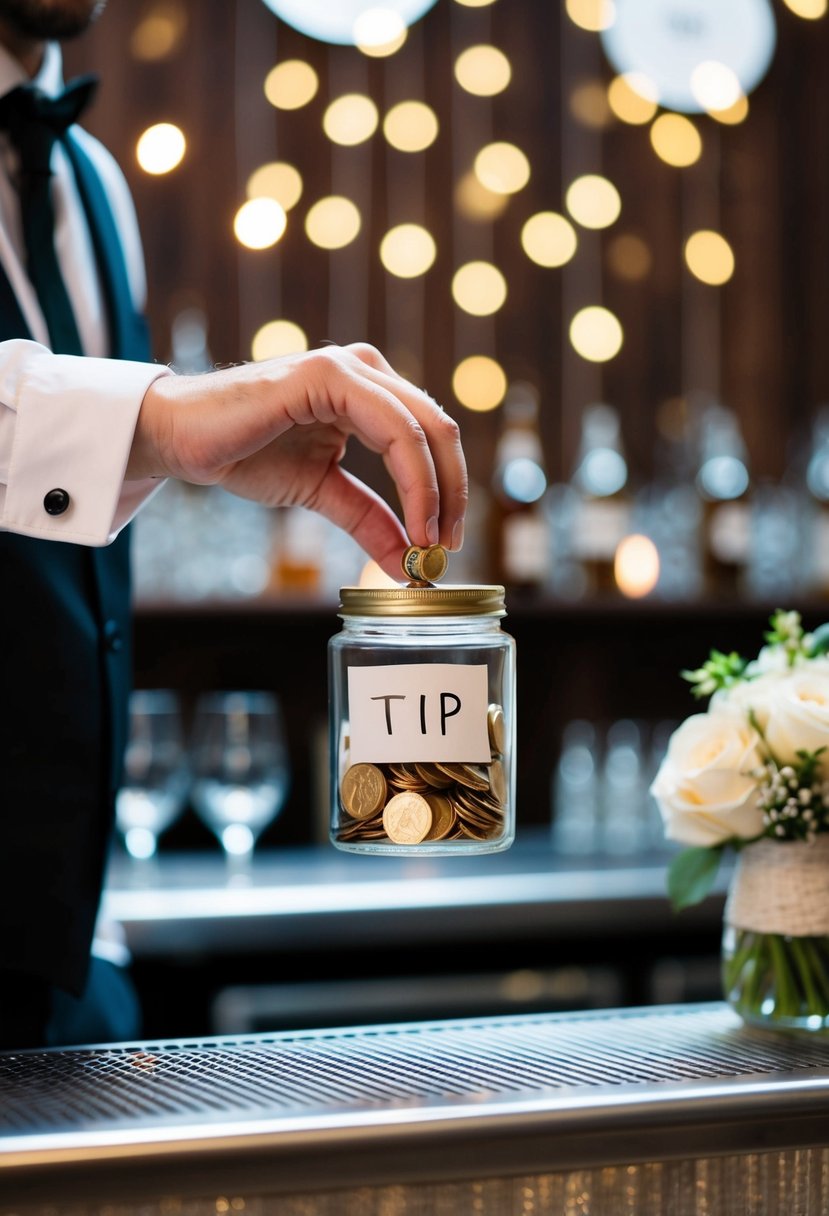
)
(56, 502)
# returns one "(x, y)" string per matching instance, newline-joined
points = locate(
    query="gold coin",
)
(425, 565)
(363, 790)
(433, 563)
(405, 777)
(471, 775)
(407, 818)
(444, 816)
(497, 728)
(430, 775)
(498, 781)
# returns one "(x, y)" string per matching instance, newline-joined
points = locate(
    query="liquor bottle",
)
(817, 483)
(520, 539)
(600, 477)
(298, 551)
(724, 484)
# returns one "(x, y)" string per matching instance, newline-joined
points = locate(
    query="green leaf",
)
(691, 876)
(820, 640)
(718, 671)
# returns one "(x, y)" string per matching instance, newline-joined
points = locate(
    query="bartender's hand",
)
(276, 431)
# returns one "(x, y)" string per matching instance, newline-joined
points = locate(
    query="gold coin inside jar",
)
(498, 781)
(443, 816)
(363, 790)
(497, 728)
(407, 818)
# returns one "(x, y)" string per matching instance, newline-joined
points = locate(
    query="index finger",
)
(442, 435)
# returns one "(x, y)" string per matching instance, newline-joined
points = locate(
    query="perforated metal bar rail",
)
(404, 1101)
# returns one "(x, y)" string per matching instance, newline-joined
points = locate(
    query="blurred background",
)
(595, 232)
(527, 223)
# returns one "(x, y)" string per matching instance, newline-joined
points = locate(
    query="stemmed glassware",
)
(240, 768)
(154, 787)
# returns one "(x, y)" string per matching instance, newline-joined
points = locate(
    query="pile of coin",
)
(417, 803)
(424, 565)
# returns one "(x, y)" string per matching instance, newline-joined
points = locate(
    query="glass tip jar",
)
(422, 721)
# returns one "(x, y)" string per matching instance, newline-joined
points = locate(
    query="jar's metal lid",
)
(421, 601)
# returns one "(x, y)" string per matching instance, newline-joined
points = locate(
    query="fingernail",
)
(432, 530)
(457, 535)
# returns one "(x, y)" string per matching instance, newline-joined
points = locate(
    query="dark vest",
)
(66, 663)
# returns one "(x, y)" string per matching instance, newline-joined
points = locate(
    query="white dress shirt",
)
(67, 421)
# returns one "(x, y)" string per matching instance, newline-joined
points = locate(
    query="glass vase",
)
(775, 952)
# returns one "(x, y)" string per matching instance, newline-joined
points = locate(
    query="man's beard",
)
(45, 20)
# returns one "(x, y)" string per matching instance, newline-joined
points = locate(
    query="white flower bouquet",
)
(752, 775)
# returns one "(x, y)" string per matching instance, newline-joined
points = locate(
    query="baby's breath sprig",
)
(718, 671)
(794, 798)
(787, 632)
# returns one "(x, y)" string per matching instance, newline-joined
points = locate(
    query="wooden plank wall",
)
(766, 181)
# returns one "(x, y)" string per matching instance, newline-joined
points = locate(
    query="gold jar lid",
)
(416, 601)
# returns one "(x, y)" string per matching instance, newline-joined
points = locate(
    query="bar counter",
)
(306, 897)
(672, 1109)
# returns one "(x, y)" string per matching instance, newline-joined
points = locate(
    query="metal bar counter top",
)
(663, 1110)
(301, 897)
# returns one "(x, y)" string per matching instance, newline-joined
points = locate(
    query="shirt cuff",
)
(74, 426)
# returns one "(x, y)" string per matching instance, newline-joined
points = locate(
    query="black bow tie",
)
(34, 120)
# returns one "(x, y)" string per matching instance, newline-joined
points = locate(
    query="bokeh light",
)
(410, 126)
(629, 257)
(709, 257)
(593, 15)
(159, 33)
(474, 3)
(161, 148)
(549, 239)
(632, 98)
(277, 338)
(379, 32)
(333, 222)
(589, 105)
(350, 120)
(277, 180)
(479, 383)
(479, 288)
(593, 201)
(636, 566)
(291, 84)
(734, 114)
(502, 168)
(483, 70)
(676, 140)
(259, 223)
(810, 10)
(596, 334)
(715, 85)
(348, 22)
(475, 202)
(408, 250)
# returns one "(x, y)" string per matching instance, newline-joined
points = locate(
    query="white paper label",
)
(405, 712)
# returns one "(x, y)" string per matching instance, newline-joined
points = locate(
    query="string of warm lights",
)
(499, 171)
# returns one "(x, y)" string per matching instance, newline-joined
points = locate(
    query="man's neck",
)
(27, 51)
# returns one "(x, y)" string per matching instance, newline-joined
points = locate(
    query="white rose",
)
(770, 659)
(755, 696)
(798, 716)
(704, 788)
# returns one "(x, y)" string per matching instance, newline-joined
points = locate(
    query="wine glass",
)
(240, 768)
(154, 786)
